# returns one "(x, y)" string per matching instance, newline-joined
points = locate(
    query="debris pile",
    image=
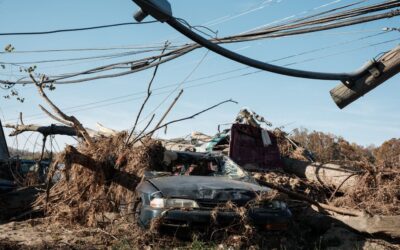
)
(99, 179)
(346, 185)
(377, 194)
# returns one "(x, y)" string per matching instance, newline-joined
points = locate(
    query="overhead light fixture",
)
(159, 9)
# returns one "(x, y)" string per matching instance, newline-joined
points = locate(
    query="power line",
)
(213, 22)
(79, 108)
(262, 5)
(107, 56)
(177, 87)
(241, 38)
(227, 18)
(81, 61)
(210, 23)
(350, 17)
(73, 29)
(145, 63)
(122, 47)
(239, 68)
(291, 18)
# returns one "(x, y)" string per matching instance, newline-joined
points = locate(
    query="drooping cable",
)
(73, 29)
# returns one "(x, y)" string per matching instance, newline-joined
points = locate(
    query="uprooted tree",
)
(100, 175)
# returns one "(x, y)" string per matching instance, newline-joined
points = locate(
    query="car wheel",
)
(137, 208)
(136, 213)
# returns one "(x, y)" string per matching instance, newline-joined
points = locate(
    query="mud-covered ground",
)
(41, 234)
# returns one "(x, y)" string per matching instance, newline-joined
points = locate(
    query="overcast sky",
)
(285, 101)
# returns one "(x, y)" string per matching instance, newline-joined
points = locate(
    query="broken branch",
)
(307, 199)
(55, 117)
(143, 104)
(148, 93)
(169, 108)
(185, 118)
(77, 125)
(20, 118)
(44, 130)
(148, 124)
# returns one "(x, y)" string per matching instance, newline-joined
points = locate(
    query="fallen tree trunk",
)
(45, 130)
(330, 175)
(388, 225)
(58, 130)
(384, 226)
(302, 197)
(357, 220)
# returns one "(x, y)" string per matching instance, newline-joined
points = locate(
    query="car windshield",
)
(231, 169)
(221, 166)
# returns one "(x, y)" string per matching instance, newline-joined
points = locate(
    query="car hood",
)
(207, 188)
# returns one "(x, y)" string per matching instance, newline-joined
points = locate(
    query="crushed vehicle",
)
(248, 141)
(197, 189)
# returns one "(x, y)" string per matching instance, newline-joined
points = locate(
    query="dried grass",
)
(104, 181)
(378, 189)
(31, 179)
(376, 194)
(291, 182)
(287, 149)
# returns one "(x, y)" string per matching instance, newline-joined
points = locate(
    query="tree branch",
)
(148, 95)
(311, 201)
(44, 130)
(143, 130)
(77, 125)
(185, 118)
(168, 110)
(55, 117)
(20, 118)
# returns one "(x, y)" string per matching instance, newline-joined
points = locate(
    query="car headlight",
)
(173, 203)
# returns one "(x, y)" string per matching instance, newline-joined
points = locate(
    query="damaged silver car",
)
(196, 189)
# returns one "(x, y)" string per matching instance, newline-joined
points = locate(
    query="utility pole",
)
(387, 66)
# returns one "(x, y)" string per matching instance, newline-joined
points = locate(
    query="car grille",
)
(212, 204)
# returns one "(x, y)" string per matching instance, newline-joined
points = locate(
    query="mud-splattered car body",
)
(207, 188)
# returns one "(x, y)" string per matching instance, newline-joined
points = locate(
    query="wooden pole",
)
(329, 175)
(386, 67)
